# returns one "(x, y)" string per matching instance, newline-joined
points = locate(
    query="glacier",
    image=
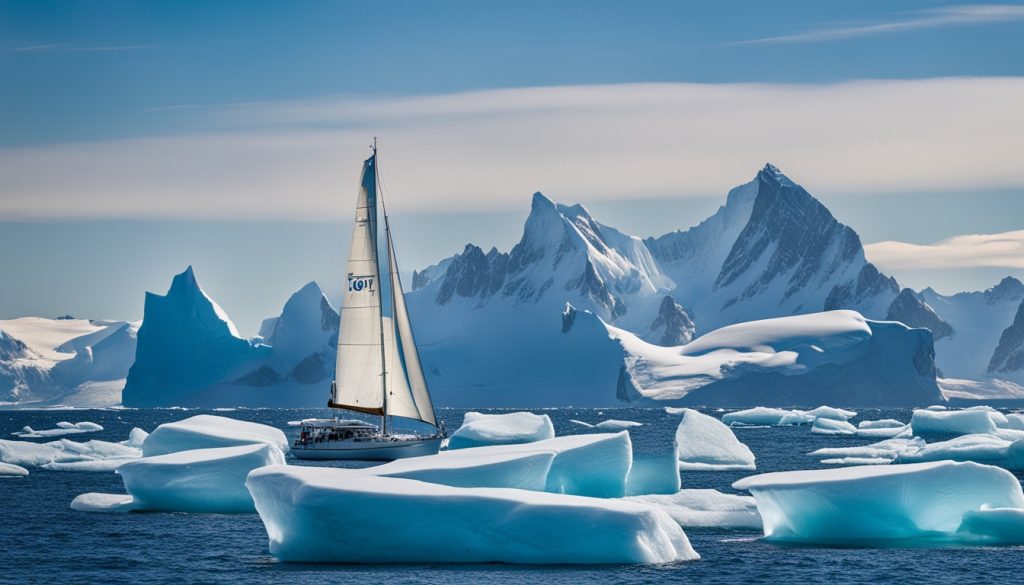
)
(206, 431)
(501, 429)
(871, 505)
(706, 443)
(324, 515)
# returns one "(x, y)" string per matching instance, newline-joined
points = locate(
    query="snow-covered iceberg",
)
(879, 504)
(881, 452)
(199, 480)
(828, 426)
(63, 428)
(479, 430)
(475, 467)
(67, 455)
(11, 470)
(206, 431)
(832, 413)
(705, 443)
(978, 448)
(762, 415)
(970, 421)
(327, 515)
(618, 425)
(995, 526)
(706, 508)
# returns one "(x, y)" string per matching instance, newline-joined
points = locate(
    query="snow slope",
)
(836, 357)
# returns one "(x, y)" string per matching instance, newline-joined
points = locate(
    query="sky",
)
(139, 138)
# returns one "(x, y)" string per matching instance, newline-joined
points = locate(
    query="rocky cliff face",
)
(1008, 357)
(909, 309)
(672, 326)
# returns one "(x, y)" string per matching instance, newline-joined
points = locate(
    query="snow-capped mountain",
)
(771, 250)
(1008, 358)
(190, 354)
(672, 326)
(978, 320)
(67, 361)
(909, 309)
(835, 357)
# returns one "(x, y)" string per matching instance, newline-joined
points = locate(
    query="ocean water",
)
(43, 541)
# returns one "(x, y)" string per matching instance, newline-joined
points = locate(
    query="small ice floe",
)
(873, 505)
(67, 455)
(63, 428)
(1008, 454)
(315, 514)
(876, 453)
(705, 443)
(977, 420)
(207, 431)
(614, 424)
(882, 429)
(479, 429)
(828, 426)
(706, 508)
(11, 470)
(585, 425)
(95, 502)
(829, 412)
(762, 415)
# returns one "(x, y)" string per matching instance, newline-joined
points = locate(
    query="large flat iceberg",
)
(705, 443)
(762, 415)
(878, 504)
(330, 515)
(479, 430)
(207, 431)
(199, 480)
(957, 422)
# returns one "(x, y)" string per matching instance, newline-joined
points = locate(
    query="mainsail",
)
(378, 369)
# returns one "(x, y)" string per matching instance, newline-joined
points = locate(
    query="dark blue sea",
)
(43, 541)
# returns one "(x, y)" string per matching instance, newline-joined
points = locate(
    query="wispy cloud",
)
(1005, 250)
(946, 16)
(490, 150)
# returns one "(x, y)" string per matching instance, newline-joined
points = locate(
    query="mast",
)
(376, 258)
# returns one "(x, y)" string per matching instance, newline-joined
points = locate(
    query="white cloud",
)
(945, 16)
(489, 150)
(1005, 250)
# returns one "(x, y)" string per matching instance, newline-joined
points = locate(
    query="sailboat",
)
(378, 370)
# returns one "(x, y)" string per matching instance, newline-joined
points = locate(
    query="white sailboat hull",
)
(377, 449)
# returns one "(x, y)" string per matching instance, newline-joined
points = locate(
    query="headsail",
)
(358, 384)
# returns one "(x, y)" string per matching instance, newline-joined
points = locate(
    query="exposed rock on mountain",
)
(1008, 357)
(673, 325)
(909, 309)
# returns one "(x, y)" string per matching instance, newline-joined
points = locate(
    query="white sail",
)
(407, 353)
(358, 383)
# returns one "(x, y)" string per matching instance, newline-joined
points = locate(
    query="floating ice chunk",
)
(978, 448)
(706, 508)
(936, 407)
(762, 415)
(885, 432)
(95, 502)
(857, 461)
(995, 525)
(206, 431)
(136, 438)
(585, 425)
(478, 429)
(653, 474)
(594, 465)
(871, 504)
(832, 413)
(479, 467)
(11, 470)
(614, 424)
(64, 451)
(672, 410)
(887, 450)
(198, 480)
(1015, 421)
(885, 423)
(93, 465)
(63, 428)
(956, 422)
(705, 443)
(828, 426)
(328, 515)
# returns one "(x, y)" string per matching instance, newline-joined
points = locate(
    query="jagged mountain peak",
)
(1008, 357)
(11, 347)
(1009, 288)
(909, 309)
(771, 173)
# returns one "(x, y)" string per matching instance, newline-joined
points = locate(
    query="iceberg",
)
(828, 426)
(616, 425)
(762, 415)
(857, 461)
(327, 515)
(831, 413)
(95, 502)
(705, 443)
(886, 450)
(136, 438)
(978, 448)
(11, 470)
(971, 421)
(206, 431)
(478, 429)
(655, 473)
(883, 429)
(878, 504)
(63, 428)
(199, 480)
(585, 425)
(995, 526)
(67, 455)
(706, 508)
(475, 467)
(885, 423)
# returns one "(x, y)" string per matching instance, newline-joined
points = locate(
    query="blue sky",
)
(136, 138)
